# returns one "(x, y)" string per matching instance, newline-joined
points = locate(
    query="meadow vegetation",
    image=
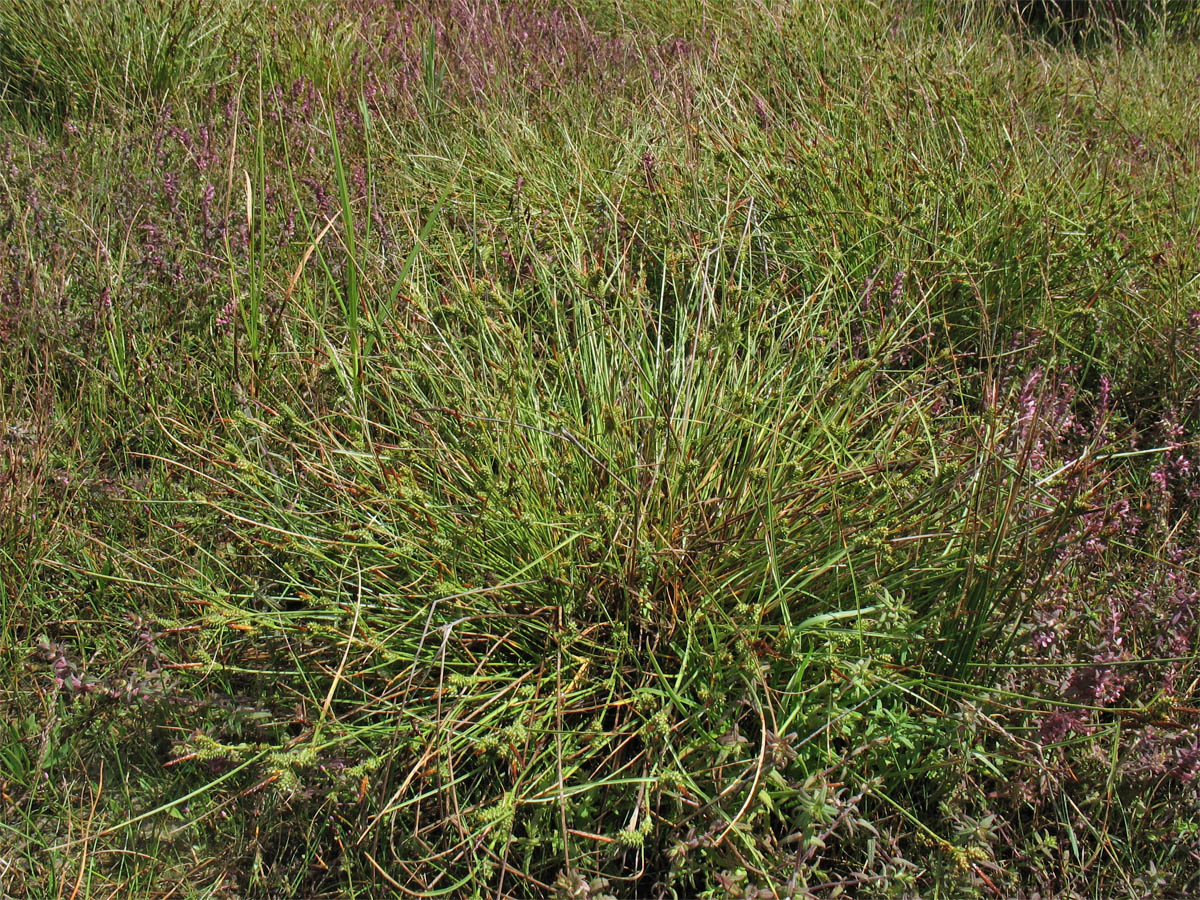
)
(637, 449)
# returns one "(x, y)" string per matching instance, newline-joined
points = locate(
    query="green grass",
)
(596, 451)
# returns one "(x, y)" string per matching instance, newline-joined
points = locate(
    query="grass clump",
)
(84, 58)
(438, 463)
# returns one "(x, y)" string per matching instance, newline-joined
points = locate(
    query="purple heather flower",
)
(764, 116)
(897, 287)
(170, 189)
(1060, 725)
(204, 154)
(1162, 479)
(1187, 762)
(182, 135)
(206, 199)
(225, 316)
(1097, 683)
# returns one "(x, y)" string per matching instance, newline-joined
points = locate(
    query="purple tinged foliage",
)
(1060, 725)
(1126, 651)
(143, 679)
(1187, 761)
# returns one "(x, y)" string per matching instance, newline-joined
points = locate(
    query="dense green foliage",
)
(734, 450)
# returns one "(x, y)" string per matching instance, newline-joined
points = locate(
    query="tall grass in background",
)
(538, 451)
(83, 58)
